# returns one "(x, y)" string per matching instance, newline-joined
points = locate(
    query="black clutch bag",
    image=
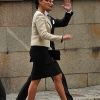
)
(55, 54)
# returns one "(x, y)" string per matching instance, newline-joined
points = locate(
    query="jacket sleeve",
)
(64, 21)
(42, 30)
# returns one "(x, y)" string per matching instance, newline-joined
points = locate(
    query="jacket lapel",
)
(48, 21)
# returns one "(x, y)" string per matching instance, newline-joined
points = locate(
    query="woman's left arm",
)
(42, 29)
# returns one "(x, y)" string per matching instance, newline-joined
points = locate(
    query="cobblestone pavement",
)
(88, 93)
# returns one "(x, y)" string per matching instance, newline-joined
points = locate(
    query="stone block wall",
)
(80, 57)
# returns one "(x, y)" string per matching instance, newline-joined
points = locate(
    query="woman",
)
(43, 65)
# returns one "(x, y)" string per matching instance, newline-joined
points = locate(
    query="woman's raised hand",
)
(67, 5)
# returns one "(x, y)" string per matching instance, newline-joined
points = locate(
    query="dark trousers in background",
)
(2, 92)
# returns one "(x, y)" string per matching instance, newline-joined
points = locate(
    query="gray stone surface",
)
(4, 71)
(81, 37)
(76, 80)
(88, 93)
(15, 64)
(82, 12)
(3, 39)
(18, 38)
(94, 30)
(13, 84)
(93, 79)
(73, 61)
(19, 64)
(16, 13)
(97, 9)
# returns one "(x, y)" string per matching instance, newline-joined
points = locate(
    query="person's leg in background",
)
(2, 92)
(22, 95)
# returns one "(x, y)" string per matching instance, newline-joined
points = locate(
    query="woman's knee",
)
(34, 83)
(58, 77)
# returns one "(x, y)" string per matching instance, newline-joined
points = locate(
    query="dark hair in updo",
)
(36, 3)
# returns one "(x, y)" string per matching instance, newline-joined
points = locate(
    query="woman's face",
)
(46, 4)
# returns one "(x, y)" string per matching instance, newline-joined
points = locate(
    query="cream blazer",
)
(41, 31)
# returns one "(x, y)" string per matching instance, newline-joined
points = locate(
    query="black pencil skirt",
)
(43, 65)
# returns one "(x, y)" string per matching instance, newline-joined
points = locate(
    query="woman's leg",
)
(32, 89)
(59, 87)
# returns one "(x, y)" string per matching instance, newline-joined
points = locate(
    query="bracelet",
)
(62, 39)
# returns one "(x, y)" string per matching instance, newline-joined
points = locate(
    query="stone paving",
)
(88, 93)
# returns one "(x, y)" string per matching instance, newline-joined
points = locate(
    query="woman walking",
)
(44, 65)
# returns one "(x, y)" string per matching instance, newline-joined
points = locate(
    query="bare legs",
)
(32, 89)
(58, 85)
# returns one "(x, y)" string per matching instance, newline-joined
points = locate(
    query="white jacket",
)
(41, 31)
